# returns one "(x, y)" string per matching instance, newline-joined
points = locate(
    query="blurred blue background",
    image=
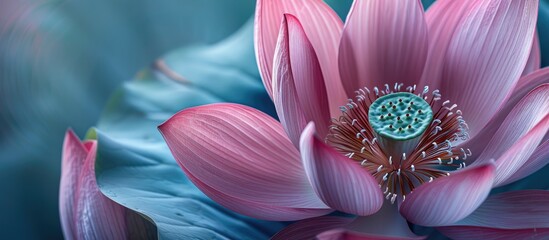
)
(59, 63)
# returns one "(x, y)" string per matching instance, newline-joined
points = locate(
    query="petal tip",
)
(70, 135)
(163, 126)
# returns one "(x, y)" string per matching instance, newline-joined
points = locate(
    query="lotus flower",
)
(85, 212)
(398, 116)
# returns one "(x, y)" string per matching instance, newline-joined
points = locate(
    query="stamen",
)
(464, 154)
(387, 122)
(393, 198)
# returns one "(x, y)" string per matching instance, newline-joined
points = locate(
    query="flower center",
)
(398, 120)
(403, 138)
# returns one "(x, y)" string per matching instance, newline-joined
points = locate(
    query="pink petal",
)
(85, 212)
(259, 210)
(339, 181)
(538, 160)
(534, 60)
(519, 134)
(470, 232)
(243, 154)
(299, 93)
(344, 234)
(97, 217)
(526, 84)
(442, 18)
(74, 154)
(285, 96)
(322, 26)
(514, 158)
(512, 210)
(518, 214)
(309, 228)
(383, 42)
(529, 82)
(449, 199)
(486, 57)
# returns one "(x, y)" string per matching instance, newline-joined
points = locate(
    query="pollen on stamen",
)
(435, 127)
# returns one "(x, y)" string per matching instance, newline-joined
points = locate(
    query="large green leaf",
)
(135, 167)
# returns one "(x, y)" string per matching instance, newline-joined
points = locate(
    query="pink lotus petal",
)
(514, 158)
(97, 217)
(74, 154)
(339, 181)
(258, 210)
(538, 160)
(285, 95)
(514, 215)
(85, 212)
(512, 210)
(534, 61)
(309, 228)
(344, 234)
(383, 42)
(299, 93)
(486, 57)
(322, 26)
(470, 232)
(449, 199)
(519, 134)
(529, 82)
(307, 74)
(442, 18)
(526, 84)
(241, 153)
